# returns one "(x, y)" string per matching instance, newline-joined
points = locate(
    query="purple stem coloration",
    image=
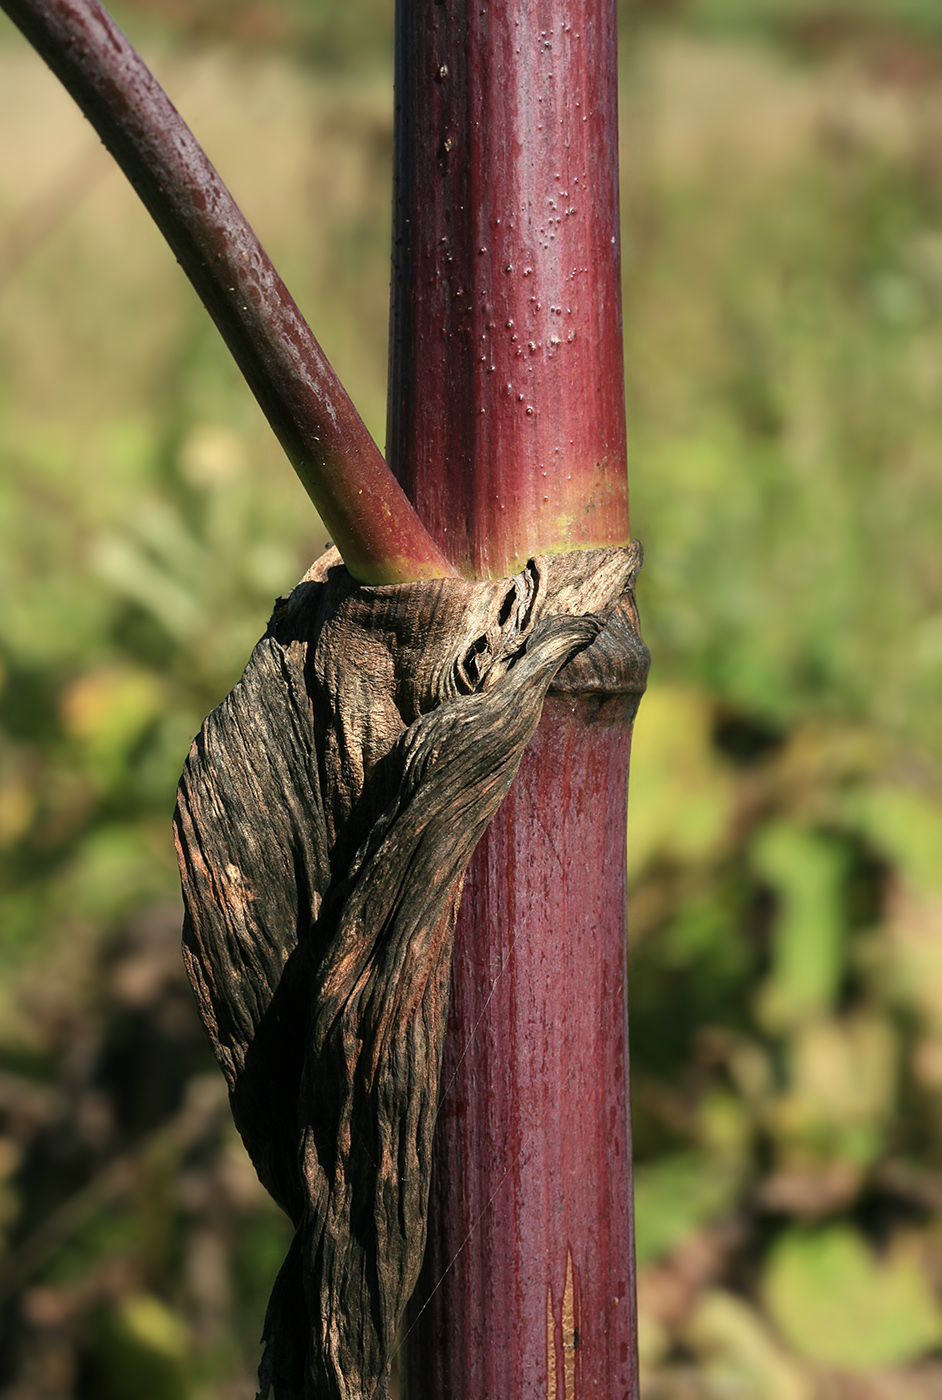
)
(329, 446)
(506, 385)
(507, 429)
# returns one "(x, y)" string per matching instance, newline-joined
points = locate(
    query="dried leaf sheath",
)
(326, 815)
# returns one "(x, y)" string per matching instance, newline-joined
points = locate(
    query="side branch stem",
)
(373, 524)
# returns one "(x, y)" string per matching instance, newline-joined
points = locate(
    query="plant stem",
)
(506, 425)
(506, 404)
(529, 1273)
(341, 468)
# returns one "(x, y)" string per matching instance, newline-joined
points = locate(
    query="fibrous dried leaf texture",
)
(325, 818)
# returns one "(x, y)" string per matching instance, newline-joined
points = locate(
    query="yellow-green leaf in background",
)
(840, 1094)
(736, 1354)
(905, 826)
(109, 707)
(141, 1353)
(724, 1128)
(914, 947)
(836, 1304)
(114, 868)
(806, 871)
(681, 794)
(675, 1195)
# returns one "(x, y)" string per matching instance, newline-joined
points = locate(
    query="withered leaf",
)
(325, 818)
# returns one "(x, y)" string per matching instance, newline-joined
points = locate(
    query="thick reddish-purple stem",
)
(506, 426)
(529, 1273)
(506, 404)
(370, 518)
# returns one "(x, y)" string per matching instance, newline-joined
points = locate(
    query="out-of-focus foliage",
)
(147, 522)
(783, 253)
(783, 274)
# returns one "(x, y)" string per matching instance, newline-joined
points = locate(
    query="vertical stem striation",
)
(506, 427)
(506, 404)
(528, 1284)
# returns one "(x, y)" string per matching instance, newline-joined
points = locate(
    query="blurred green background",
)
(782, 228)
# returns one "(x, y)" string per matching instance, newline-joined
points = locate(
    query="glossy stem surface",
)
(329, 446)
(528, 1283)
(506, 427)
(506, 406)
